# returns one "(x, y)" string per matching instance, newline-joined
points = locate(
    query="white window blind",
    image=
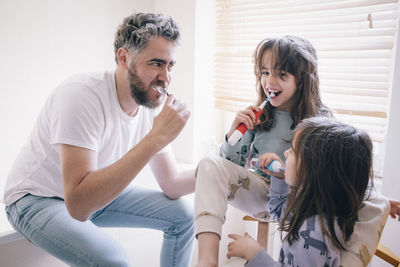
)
(355, 43)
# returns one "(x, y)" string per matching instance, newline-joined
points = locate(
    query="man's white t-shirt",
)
(83, 111)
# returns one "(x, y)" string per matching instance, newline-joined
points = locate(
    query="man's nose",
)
(164, 75)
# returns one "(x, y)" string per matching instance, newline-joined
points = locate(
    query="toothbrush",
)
(274, 166)
(242, 129)
(163, 89)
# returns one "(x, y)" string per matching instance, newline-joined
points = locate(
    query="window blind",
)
(355, 43)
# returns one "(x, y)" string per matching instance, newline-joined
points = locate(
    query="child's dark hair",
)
(334, 167)
(298, 57)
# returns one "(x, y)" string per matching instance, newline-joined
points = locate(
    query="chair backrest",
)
(387, 255)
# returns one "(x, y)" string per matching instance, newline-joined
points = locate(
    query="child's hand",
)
(265, 159)
(245, 116)
(243, 246)
(394, 209)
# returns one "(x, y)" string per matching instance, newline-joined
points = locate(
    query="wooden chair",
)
(387, 255)
(263, 235)
(262, 231)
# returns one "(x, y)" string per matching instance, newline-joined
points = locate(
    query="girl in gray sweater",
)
(286, 73)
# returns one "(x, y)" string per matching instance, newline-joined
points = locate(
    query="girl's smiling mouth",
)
(275, 92)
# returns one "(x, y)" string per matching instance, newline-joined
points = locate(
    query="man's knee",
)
(113, 260)
(186, 212)
(113, 255)
(182, 216)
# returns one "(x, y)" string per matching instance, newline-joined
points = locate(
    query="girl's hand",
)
(394, 209)
(245, 116)
(243, 246)
(265, 159)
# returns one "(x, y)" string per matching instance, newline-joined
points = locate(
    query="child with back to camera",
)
(287, 68)
(329, 170)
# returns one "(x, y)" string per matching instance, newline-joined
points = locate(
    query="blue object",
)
(274, 166)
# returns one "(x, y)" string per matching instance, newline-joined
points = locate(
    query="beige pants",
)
(219, 182)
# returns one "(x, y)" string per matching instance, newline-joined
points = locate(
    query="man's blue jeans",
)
(46, 223)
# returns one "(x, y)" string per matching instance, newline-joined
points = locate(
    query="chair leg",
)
(263, 234)
(262, 231)
(387, 255)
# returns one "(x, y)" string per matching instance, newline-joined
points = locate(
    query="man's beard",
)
(139, 92)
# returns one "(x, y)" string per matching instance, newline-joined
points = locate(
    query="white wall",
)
(42, 43)
(193, 74)
(208, 132)
(391, 174)
(182, 77)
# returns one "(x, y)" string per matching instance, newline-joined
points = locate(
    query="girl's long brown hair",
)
(334, 167)
(298, 57)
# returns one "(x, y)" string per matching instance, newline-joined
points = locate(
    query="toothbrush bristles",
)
(165, 91)
(271, 96)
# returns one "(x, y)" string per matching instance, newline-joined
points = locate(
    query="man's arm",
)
(174, 184)
(88, 189)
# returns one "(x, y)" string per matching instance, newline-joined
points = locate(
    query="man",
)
(93, 136)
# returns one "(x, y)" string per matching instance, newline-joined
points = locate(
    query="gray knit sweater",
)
(276, 140)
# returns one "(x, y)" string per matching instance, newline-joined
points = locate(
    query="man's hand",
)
(243, 246)
(171, 120)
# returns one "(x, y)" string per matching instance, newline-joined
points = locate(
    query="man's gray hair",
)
(138, 29)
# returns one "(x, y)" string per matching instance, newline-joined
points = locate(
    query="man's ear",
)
(123, 57)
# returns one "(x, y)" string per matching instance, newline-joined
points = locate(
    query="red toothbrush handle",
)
(242, 127)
